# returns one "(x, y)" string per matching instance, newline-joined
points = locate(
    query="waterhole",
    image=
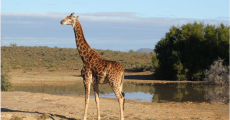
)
(142, 93)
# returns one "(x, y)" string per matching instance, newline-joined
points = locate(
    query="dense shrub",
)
(5, 78)
(217, 73)
(186, 51)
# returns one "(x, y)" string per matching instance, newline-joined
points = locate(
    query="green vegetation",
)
(68, 58)
(131, 51)
(5, 78)
(155, 61)
(187, 51)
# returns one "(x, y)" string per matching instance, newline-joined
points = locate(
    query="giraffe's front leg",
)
(96, 93)
(87, 82)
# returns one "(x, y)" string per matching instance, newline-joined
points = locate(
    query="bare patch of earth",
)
(30, 106)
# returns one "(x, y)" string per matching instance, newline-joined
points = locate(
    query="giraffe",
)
(96, 70)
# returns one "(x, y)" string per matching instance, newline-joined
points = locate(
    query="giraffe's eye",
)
(70, 18)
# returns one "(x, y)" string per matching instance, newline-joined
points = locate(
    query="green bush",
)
(187, 50)
(18, 66)
(5, 78)
(131, 51)
(53, 70)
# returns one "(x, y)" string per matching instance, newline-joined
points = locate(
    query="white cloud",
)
(35, 14)
(102, 29)
(21, 22)
(59, 14)
(121, 41)
(35, 40)
(113, 17)
(111, 14)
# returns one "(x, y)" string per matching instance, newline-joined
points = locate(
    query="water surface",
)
(142, 93)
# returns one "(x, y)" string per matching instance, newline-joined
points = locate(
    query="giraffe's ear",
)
(71, 15)
(77, 17)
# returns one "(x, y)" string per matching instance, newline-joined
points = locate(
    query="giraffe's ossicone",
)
(96, 70)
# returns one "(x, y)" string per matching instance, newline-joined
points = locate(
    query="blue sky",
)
(115, 25)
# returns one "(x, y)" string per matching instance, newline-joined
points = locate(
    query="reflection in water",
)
(74, 89)
(179, 92)
(193, 93)
(217, 93)
(142, 93)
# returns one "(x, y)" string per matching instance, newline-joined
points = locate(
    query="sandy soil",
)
(30, 106)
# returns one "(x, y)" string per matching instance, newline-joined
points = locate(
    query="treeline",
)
(187, 51)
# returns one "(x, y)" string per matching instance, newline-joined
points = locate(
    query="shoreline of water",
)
(142, 93)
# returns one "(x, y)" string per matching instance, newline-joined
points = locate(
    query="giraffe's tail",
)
(123, 94)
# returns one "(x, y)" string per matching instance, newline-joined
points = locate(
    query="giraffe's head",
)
(69, 20)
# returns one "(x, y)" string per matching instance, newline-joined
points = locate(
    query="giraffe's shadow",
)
(49, 114)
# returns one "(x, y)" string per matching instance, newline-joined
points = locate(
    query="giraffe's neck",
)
(82, 45)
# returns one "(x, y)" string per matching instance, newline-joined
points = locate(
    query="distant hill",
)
(144, 50)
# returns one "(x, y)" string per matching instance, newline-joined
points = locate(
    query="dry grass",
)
(43, 117)
(16, 118)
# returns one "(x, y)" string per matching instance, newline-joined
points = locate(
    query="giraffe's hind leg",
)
(119, 94)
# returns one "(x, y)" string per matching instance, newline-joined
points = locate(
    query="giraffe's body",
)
(96, 70)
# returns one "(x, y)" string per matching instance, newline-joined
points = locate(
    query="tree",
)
(131, 51)
(186, 51)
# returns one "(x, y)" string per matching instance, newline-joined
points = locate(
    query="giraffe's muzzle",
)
(61, 22)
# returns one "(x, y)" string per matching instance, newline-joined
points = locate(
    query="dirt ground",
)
(38, 106)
